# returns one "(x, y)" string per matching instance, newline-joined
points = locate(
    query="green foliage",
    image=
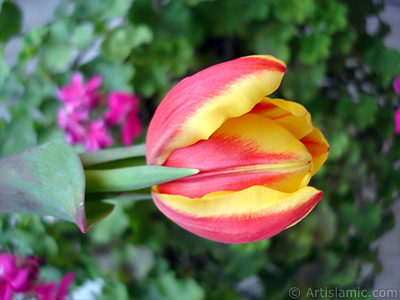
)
(146, 47)
(10, 20)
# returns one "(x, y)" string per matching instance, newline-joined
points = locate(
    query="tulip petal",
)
(246, 216)
(199, 104)
(291, 115)
(318, 147)
(244, 151)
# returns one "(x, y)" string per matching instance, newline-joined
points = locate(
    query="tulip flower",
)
(255, 155)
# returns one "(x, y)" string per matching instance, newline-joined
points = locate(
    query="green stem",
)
(120, 197)
(93, 158)
(132, 178)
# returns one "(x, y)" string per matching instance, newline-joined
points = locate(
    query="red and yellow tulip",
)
(255, 155)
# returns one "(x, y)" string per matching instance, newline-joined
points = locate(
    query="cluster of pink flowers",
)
(20, 276)
(396, 85)
(74, 117)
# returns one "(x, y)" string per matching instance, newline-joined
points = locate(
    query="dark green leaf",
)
(10, 20)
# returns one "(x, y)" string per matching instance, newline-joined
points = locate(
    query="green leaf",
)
(313, 48)
(225, 18)
(4, 70)
(331, 16)
(114, 289)
(56, 57)
(273, 39)
(48, 180)
(368, 218)
(117, 75)
(113, 226)
(92, 158)
(20, 135)
(293, 10)
(142, 34)
(120, 42)
(60, 32)
(339, 145)
(172, 289)
(344, 275)
(10, 20)
(117, 8)
(366, 111)
(82, 36)
(302, 82)
(94, 212)
(89, 9)
(140, 259)
(32, 41)
(133, 178)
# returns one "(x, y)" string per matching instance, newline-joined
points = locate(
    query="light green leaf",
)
(56, 57)
(20, 135)
(117, 8)
(133, 178)
(172, 288)
(339, 145)
(142, 34)
(120, 42)
(111, 227)
(48, 180)
(4, 70)
(117, 75)
(92, 158)
(82, 36)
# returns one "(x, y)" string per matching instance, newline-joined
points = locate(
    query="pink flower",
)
(396, 85)
(70, 122)
(77, 94)
(50, 290)
(131, 129)
(32, 264)
(78, 101)
(124, 109)
(12, 278)
(397, 121)
(98, 136)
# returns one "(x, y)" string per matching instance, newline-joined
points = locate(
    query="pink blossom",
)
(32, 264)
(12, 278)
(50, 290)
(131, 129)
(78, 100)
(124, 109)
(397, 121)
(77, 94)
(70, 122)
(396, 85)
(98, 136)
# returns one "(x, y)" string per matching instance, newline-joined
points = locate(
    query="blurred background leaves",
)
(338, 70)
